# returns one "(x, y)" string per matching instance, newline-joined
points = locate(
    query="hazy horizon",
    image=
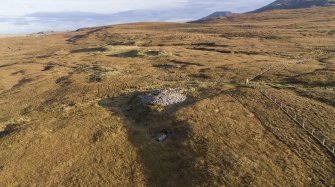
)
(27, 16)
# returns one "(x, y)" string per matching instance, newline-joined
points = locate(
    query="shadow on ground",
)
(168, 163)
(88, 50)
(22, 82)
(8, 130)
(75, 38)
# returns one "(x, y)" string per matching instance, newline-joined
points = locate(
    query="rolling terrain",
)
(217, 15)
(295, 4)
(70, 114)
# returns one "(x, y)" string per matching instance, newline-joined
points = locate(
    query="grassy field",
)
(70, 115)
(11, 35)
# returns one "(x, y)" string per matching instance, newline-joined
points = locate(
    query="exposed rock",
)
(163, 97)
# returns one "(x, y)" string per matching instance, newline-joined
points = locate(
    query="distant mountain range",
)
(216, 15)
(294, 4)
(276, 5)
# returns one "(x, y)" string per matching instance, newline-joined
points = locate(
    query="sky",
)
(28, 16)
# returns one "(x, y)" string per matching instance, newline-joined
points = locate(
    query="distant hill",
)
(216, 15)
(294, 4)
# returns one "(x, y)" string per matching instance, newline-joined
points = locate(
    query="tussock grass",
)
(81, 123)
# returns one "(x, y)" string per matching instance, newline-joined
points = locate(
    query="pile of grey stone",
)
(163, 97)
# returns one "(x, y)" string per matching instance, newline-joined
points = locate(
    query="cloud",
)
(23, 7)
(238, 6)
(45, 15)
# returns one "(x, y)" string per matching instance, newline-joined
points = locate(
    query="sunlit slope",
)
(71, 114)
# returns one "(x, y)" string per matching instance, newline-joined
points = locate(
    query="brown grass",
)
(69, 113)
